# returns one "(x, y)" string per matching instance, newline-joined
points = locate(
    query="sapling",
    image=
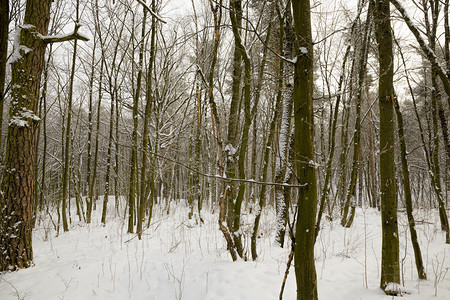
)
(439, 272)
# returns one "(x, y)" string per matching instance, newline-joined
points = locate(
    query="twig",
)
(291, 255)
(154, 14)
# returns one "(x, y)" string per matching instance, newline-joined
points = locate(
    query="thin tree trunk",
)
(97, 134)
(351, 194)
(408, 197)
(224, 228)
(262, 193)
(109, 156)
(425, 148)
(65, 179)
(232, 163)
(116, 156)
(148, 186)
(4, 26)
(285, 89)
(44, 129)
(236, 214)
(325, 189)
(89, 138)
(434, 6)
(134, 147)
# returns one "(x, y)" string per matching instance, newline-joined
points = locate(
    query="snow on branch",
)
(429, 53)
(154, 14)
(62, 38)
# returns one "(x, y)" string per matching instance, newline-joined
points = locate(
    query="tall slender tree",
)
(304, 156)
(390, 271)
(68, 133)
(134, 139)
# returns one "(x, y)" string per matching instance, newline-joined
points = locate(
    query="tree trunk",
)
(408, 197)
(351, 193)
(16, 201)
(285, 87)
(134, 140)
(390, 271)
(89, 137)
(97, 134)
(4, 25)
(68, 133)
(109, 156)
(325, 189)
(304, 156)
(270, 141)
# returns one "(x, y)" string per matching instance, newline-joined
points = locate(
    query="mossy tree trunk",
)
(304, 156)
(390, 271)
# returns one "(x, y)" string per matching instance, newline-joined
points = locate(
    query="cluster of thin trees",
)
(233, 107)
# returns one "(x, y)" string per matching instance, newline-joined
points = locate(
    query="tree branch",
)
(62, 38)
(444, 75)
(154, 14)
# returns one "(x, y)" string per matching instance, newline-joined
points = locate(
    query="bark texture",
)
(16, 201)
(305, 269)
(390, 271)
(4, 23)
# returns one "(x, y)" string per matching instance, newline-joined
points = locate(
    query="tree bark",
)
(285, 89)
(4, 25)
(304, 156)
(346, 220)
(267, 150)
(68, 133)
(390, 271)
(145, 137)
(16, 201)
(408, 196)
(134, 141)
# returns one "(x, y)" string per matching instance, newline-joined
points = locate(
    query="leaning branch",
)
(154, 14)
(429, 53)
(226, 179)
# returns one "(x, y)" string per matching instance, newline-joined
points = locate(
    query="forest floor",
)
(178, 258)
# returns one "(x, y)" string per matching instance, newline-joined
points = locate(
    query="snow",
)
(16, 56)
(393, 287)
(230, 149)
(21, 119)
(180, 258)
(27, 26)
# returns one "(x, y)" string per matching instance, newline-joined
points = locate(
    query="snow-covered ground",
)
(180, 259)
